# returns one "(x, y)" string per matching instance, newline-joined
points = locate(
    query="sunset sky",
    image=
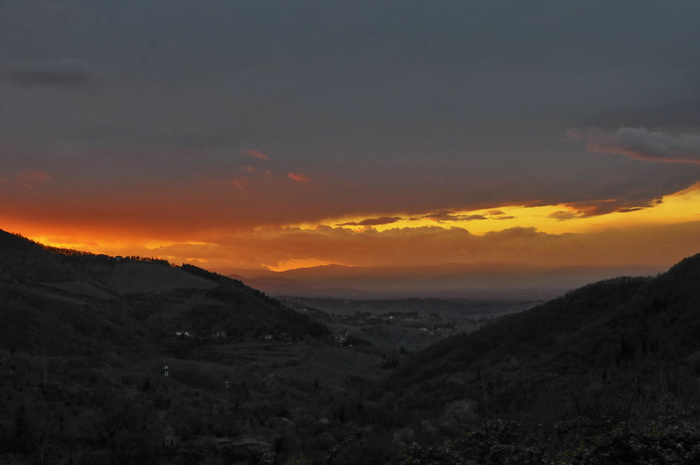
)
(279, 133)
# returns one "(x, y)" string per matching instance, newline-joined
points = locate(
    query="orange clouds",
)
(257, 154)
(28, 179)
(28, 176)
(239, 183)
(653, 246)
(298, 177)
(217, 222)
(261, 176)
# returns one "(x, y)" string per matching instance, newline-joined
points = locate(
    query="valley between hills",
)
(131, 360)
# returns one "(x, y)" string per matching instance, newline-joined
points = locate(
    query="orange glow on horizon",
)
(300, 263)
(313, 244)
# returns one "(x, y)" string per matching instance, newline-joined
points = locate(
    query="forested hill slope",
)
(586, 353)
(108, 360)
(70, 303)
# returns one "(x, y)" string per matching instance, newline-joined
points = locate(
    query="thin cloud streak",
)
(64, 73)
(298, 177)
(373, 221)
(443, 216)
(257, 154)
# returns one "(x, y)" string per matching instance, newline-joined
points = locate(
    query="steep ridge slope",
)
(130, 360)
(579, 354)
(67, 301)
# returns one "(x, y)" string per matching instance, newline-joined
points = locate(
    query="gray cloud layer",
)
(386, 107)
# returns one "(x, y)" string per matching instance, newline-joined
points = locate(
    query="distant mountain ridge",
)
(449, 280)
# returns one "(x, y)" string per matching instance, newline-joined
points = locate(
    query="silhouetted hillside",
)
(131, 302)
(577, 354)
(129, 360)
(115, 360)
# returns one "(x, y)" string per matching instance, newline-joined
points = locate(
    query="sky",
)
(274, 134)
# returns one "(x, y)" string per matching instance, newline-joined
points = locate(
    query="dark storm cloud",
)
(65, 73)
(470, 100)
(682, 112)
(625, 204)
(642, 144)
(675, 106)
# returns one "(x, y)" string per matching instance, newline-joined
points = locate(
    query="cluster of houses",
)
(341, 337)
(189, 334)
(283, 337)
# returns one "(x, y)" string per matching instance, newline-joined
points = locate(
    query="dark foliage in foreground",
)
(500, 442)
